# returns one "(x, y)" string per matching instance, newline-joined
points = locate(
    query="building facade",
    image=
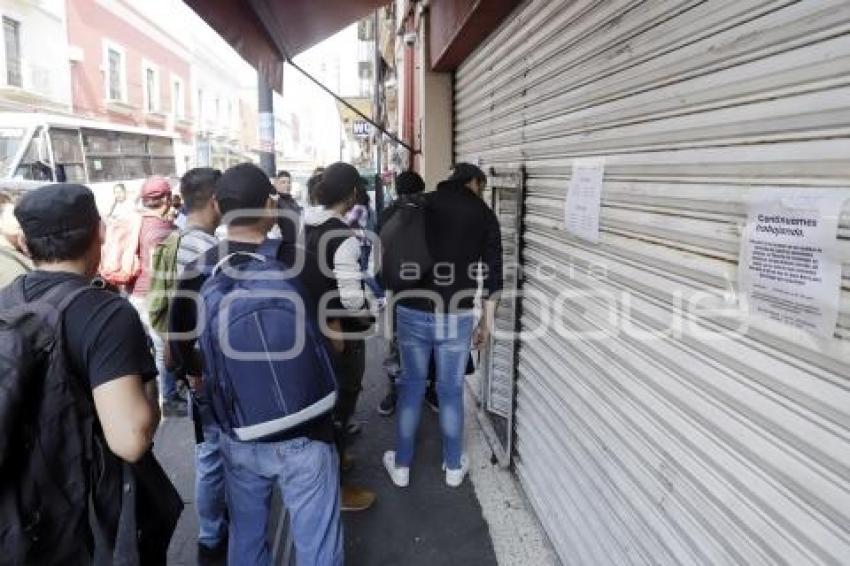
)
(224, 97)
(157, 65)
(309, 129)
(128, 69)
(35, 56)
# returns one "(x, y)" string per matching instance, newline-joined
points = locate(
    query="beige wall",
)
(434, 115)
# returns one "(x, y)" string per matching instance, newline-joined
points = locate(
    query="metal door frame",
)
(502, 444)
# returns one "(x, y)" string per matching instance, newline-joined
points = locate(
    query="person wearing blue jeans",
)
(209, 484)
(436, 317)
(197, 187)
(307, 473)
(448, 336)
(301, 461)
(172, 404)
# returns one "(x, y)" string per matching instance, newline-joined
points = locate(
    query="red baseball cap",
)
(156, 187)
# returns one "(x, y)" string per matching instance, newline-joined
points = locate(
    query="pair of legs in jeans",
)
(448, 337)
(209, 478)
(307, 473)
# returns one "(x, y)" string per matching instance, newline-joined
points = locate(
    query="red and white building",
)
(127, 69)
(154, 65)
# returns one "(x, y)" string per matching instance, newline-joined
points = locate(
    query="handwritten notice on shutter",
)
(790, 267)
(584, 199)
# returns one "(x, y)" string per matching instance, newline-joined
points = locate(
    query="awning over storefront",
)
(267, 32)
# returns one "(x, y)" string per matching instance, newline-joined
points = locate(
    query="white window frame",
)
(17, 21)
(108, 46)
(156, 108)
(178, 104)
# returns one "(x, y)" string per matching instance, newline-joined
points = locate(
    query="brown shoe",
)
(356, 498)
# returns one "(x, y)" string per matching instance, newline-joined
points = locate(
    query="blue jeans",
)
(167, 381)
(448, 336)
(371, 282)
(209, 481)
(307, 473)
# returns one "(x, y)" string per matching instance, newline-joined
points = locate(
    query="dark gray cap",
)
(56, 209)
(465, 172)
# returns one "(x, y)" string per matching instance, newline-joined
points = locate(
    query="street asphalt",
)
(425, 524)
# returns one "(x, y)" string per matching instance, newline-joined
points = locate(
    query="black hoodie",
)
(462, 233)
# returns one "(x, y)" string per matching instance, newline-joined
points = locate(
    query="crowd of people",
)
(247, 310)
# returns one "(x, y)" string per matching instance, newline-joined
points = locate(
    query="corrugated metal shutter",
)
(688, 449)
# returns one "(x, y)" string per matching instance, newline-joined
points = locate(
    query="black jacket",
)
(288, 226)
(393, 207)
(463, 233)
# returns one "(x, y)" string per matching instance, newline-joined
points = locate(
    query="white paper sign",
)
(581, 215)
(789, 266)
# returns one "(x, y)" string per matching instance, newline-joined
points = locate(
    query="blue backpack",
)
(266, 364)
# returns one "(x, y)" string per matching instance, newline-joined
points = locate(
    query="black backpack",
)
(405, 256)
(46, 423)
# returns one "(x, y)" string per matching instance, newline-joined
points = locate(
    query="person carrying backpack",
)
(462, 235)
(78, 395)
(410, 188)
(333, 275)
(170, 260)
(268, 375)
(154, 228)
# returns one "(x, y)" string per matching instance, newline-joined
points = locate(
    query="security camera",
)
(410, 38)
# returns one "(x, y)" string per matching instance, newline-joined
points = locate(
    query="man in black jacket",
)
(289, 219)
(464, 238)
(410, 188)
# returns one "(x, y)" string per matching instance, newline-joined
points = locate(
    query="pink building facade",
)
(127, 70)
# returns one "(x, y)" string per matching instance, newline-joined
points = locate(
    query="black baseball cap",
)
(243, 186)
(342, 175)
(465, 172)
(56, 209)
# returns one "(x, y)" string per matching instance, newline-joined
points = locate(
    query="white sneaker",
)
(399, 475)
(455, 477)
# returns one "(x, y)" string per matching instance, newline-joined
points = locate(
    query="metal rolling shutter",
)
(692, 449)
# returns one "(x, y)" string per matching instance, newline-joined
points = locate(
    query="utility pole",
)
(265, 107)
(377, 116)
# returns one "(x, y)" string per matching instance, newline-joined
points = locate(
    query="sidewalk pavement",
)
(428, 523)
